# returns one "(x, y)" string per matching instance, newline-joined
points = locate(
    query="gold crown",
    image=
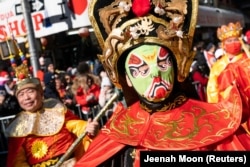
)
(24, 79)
(22, 73)
(230, 30)
(121, 25)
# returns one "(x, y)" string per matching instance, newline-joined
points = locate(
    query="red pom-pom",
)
(141, 7)
(21, 76)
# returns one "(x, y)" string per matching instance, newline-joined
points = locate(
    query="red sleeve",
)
(14, 146)
(81, 100)
(242, 75)
(226, 78)
(236, 72)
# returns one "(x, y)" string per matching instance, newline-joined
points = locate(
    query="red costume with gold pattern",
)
(192, 126)
(42, 137)
(147, 52)
(218, 67)
(237, 73)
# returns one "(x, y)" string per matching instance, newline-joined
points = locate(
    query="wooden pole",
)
(79, 139)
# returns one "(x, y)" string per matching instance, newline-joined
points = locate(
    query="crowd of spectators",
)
(79, 88)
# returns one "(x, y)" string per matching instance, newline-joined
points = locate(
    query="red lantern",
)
(83, 32)
(44, 41)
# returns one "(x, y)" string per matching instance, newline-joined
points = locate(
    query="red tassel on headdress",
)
(141, 7)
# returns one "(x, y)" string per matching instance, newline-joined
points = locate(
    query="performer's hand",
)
(92, 127)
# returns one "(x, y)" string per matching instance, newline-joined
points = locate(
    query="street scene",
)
(113, 83)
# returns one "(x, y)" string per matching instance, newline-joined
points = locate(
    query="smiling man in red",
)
(44, 130)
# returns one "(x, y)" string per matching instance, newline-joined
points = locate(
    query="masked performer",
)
(147, 52)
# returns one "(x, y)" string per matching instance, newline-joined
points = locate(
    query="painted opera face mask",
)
(149, 69)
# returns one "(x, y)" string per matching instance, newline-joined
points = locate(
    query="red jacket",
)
(81, 97)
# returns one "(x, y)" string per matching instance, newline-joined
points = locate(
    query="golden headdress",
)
(24, 79)
(22, 73)
(121, 25)
(231, 30)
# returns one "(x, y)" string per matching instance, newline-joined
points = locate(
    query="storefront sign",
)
(54, 16)
(48, 16)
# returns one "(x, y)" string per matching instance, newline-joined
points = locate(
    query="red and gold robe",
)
(195, 125)
(41, 138)
(217, 68)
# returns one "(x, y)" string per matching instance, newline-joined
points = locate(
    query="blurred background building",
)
(61, 36)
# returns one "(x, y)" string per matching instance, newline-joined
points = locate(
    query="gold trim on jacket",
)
(45, 122)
